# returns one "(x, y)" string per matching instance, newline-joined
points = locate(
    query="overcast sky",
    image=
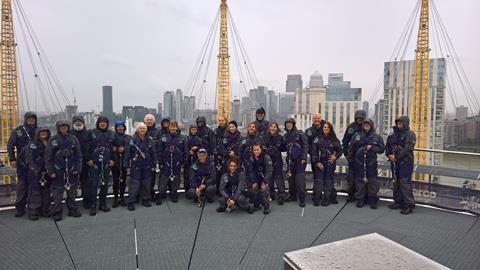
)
(145, 47)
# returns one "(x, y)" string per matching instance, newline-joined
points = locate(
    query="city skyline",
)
(165, 64)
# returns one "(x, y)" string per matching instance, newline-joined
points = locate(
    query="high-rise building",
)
(336, 102)
(107, 109)
(316, 80)
(188, 108)
(293, 83)
(178, 105)
(160, 109)
(169, 104)
(398, 91)
(461, 113)
(258, 96)
(286, 105)
(236, 110)
(272, 105)
(365, 105)
(378, 116)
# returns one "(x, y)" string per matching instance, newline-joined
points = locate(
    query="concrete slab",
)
(371, 251)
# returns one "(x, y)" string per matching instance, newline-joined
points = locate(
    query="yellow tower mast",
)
(420, 112)
(9, 111)
(223, 73)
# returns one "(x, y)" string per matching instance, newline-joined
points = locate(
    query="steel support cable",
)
(41, 53)
(410, 34)
(31, 58)
(250, 83)
(24, 93)
(239, 66)
(196, 71)
(34, 42)
(453, 52)
(439, 43)
(209, 60)
(407, 30)
(32, 61)
(243, 52)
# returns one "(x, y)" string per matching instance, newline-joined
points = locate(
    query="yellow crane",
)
(223, 72)
(420, 112)
(9, 110)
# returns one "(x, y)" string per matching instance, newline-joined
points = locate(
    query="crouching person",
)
(141, 156)
(259, 171)
(232, 187)
(365, 146)
(63, 161)
(39, 182)
(202, 175)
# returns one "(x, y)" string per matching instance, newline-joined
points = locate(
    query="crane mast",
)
(223, 73)
(420, 112)
(9, 110)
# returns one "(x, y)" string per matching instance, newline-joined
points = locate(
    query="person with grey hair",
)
(141, 156)
(153, 132)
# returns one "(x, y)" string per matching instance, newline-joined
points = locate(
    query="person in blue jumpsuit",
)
(39, 182)
(352, 129)
(119, 170)
(19, 138)
(364, 148)
(100, 161)
(202, 174)
(63, 162)
(296, 146)
(326, 149)
(399, 151)
(260, 122)
(172, 152)
(141, 159)
(80, 131)
(259, 174)
(232, 188)
(194, 143)
(274, 143)
(219, 154)
(154, 132)
(248, 141)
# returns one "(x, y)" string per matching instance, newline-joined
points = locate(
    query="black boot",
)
(159, 201)
(220, 209)
(316, 203)
(373, 205)
(406, 211)
(33, 216)
(302, 203)
(146, 203)
(104, 208)
(122, 202)
(74, 213)
(280, 200)
(131, 207)
(333, 201)
(326, 203)
(394, 206)
(291, 198)
(115, 203)
(93, 211)
(266, 211)
(19, 213)
(360, 204)
(57, 217)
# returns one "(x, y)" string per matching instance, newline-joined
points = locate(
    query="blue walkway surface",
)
(237, 240)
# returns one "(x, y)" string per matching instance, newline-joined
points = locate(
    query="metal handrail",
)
(447, 152)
